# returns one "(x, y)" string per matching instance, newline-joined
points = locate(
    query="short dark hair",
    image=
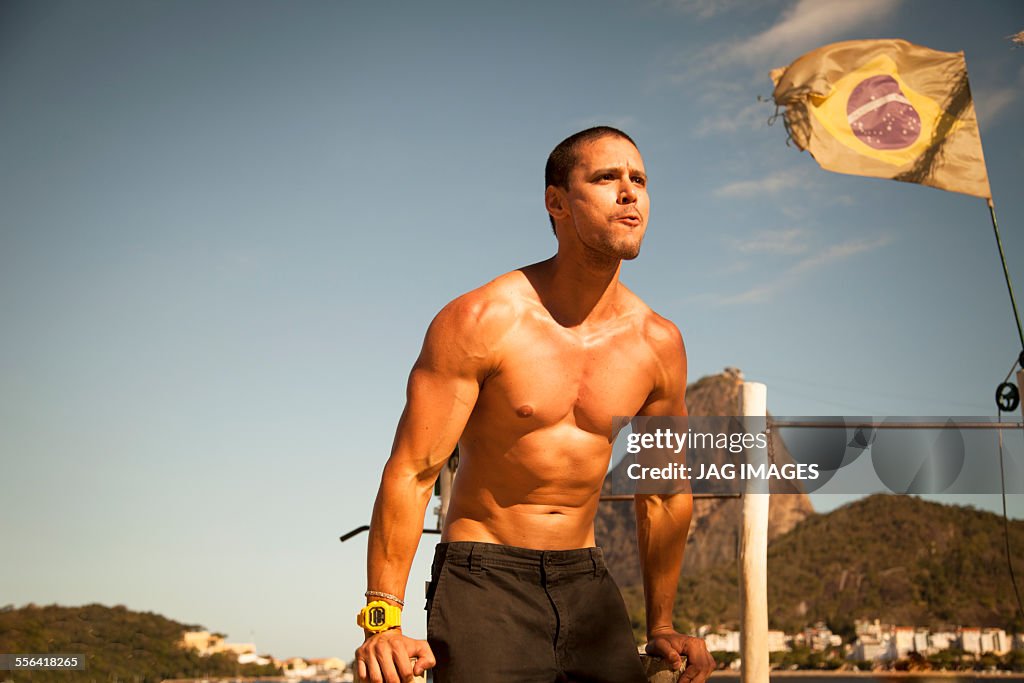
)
(565, 156)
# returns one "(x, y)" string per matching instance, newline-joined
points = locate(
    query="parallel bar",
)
(620, 497)
(895, 425)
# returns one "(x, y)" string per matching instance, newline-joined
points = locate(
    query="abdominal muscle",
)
(542, 493)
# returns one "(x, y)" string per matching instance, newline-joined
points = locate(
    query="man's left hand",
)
(673, 646)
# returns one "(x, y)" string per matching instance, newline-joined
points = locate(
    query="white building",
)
(871, 649)
(868, 628)
(777, 641)
(941, 640)
(818, 637)
(995, 640)
(729, 641)
(969, 639)
(921, 641)
(723, 641)
(902, 641)
(253, 658)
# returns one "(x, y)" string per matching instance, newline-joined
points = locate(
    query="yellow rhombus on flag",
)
(888, 109)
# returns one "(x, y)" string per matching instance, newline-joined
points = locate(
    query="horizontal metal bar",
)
(360, 529)
(894, 425)
(628, 496)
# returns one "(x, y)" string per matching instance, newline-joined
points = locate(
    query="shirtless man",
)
(527, 375)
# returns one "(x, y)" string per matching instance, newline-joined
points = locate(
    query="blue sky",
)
(224, 227)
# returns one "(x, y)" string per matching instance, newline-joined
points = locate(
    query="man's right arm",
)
(442, 390)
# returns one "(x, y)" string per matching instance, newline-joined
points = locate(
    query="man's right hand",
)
(386, 657)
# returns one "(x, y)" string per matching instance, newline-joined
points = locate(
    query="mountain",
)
(900, 559)
(714, 529)
(896, 558)
(117, 642)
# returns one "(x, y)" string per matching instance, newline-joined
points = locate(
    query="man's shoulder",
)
(490, 308)
(660, 332)
(665, 343)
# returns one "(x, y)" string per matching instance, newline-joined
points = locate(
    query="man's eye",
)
(639, 180)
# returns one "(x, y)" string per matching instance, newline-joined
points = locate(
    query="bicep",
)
(668, 394)
(667, 398)
(443, 388)
(437, 408)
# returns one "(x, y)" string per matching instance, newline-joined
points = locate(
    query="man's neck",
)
(577, 291)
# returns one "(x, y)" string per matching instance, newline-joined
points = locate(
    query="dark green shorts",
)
(500, 614)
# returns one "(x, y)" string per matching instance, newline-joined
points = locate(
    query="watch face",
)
(376, 617)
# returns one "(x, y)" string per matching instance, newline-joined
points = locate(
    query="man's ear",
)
(555, 201)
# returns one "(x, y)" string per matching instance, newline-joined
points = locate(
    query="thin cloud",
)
(803, 25)
(752, 117)
(704, 9)
(790, 241)
(990, 104)
(809, 23)
(837, 253)
(793, 275)
(771, 184)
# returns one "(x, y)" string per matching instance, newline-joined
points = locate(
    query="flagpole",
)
(1006, 272)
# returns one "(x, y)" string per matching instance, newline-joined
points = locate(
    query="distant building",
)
(297, 667)
(328, 665)
(863, 627)
(722, 641)
(969, 639)
(252, 658)
(903, 641)
(818, 637)
(238, 648)
(778, 641)
(869, 648)
(204, 642)
(941, 640)
(995, 640)
(921, 641)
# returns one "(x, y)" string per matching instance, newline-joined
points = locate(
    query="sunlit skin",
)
(527, 375)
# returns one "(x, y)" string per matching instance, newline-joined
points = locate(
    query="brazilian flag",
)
(887, 109)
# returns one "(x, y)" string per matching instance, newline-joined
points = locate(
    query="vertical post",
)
(754, 552)
(1020, 386)
(445, 479)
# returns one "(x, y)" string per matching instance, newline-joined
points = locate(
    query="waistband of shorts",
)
(473, 553)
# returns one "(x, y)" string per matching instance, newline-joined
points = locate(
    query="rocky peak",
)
(715, 527)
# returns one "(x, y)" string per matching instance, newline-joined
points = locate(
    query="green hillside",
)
(118, 644)
(895, 558)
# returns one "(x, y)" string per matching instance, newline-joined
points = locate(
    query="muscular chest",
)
(547, 377)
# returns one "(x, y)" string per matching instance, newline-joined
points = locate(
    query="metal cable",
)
(1006, 519)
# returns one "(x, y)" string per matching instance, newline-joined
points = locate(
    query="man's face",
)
(607, 197)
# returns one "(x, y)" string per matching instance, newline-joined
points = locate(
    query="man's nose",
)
(627, 193)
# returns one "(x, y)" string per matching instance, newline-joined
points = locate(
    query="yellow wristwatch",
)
(379, 616)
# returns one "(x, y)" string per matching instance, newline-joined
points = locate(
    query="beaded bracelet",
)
(389, 596)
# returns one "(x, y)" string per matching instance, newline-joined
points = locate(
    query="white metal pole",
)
(754, 552)
(445, 478)
(1020, 386)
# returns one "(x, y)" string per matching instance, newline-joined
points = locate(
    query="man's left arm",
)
(663, 521)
